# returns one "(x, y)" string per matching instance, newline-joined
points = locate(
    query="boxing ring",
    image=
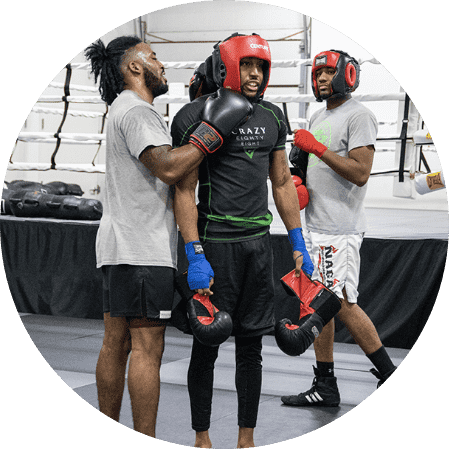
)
(50, 263)
(54, 283)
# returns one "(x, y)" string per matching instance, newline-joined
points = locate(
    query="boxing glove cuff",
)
(206, 138)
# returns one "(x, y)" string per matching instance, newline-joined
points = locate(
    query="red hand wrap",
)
(307, 142)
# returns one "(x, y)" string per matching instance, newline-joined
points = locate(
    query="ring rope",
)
(29, 136)
(45, 166)
(89, 138)
(181, 99)
(72, 112)
(100, 138)
(76, 87)
(100, 168)
(288, 63)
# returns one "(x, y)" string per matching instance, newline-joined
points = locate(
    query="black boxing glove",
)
(223, 111)
(210, 326)
(294, 339)
(318, 306)
(300, 160)
(202, 82)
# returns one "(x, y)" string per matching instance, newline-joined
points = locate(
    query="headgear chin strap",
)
(227, 55)
(347, 74)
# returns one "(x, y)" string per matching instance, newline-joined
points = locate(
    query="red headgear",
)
(227, 55)
(346, 78)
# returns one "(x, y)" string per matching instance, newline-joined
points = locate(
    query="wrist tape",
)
(206, 138)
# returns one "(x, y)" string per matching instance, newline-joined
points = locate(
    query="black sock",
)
(326, 369)
(381, 360)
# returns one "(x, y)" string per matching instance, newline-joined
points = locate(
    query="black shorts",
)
(243, 283)
(138, 291)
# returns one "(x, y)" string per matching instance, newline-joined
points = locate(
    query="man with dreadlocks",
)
(136, 244)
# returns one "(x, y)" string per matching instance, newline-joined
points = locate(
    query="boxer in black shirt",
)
(227, 234)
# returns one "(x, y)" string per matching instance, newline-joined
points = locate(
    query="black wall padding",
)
(24, 203)
(399, 283)
(50, 268)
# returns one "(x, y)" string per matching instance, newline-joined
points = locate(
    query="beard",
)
(155, 84)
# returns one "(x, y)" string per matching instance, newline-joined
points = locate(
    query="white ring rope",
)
(46, 166)
(182, 99)
(194, 64)
(100, 139)
(91, 114)
(95, 139)
(78, 137)
(74, 87)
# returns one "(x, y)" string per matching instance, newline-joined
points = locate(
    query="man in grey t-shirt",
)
(136, 243)
(339, 151)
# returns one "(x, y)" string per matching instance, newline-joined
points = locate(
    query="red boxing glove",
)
(301, 190)
(297, 181)
(318, 305)
(307, 142)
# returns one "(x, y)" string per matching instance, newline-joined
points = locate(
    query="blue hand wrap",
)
(297, 241)
(199, 272)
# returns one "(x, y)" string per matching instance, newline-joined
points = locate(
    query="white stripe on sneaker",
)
(314, 397)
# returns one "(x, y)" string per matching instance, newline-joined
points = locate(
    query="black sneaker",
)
(381, 378)
(324, 393)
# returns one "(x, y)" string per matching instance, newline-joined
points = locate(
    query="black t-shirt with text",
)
(233, 191)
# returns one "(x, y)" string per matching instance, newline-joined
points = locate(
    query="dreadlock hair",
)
(106, 64)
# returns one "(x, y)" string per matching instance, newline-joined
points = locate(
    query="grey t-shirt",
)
(138, 225)
(336, 205)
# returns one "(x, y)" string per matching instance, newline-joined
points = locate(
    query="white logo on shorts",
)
(165, 314)
(326, 265)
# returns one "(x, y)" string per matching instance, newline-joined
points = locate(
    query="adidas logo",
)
(314, 397)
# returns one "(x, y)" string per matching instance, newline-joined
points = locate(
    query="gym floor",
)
(71, 347)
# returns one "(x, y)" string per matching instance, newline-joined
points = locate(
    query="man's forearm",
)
(287, 204)
(355, 170)
(186, 213)
(171, 164)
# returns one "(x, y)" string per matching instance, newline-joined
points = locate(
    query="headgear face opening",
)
(347, 74)
(227, 55)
